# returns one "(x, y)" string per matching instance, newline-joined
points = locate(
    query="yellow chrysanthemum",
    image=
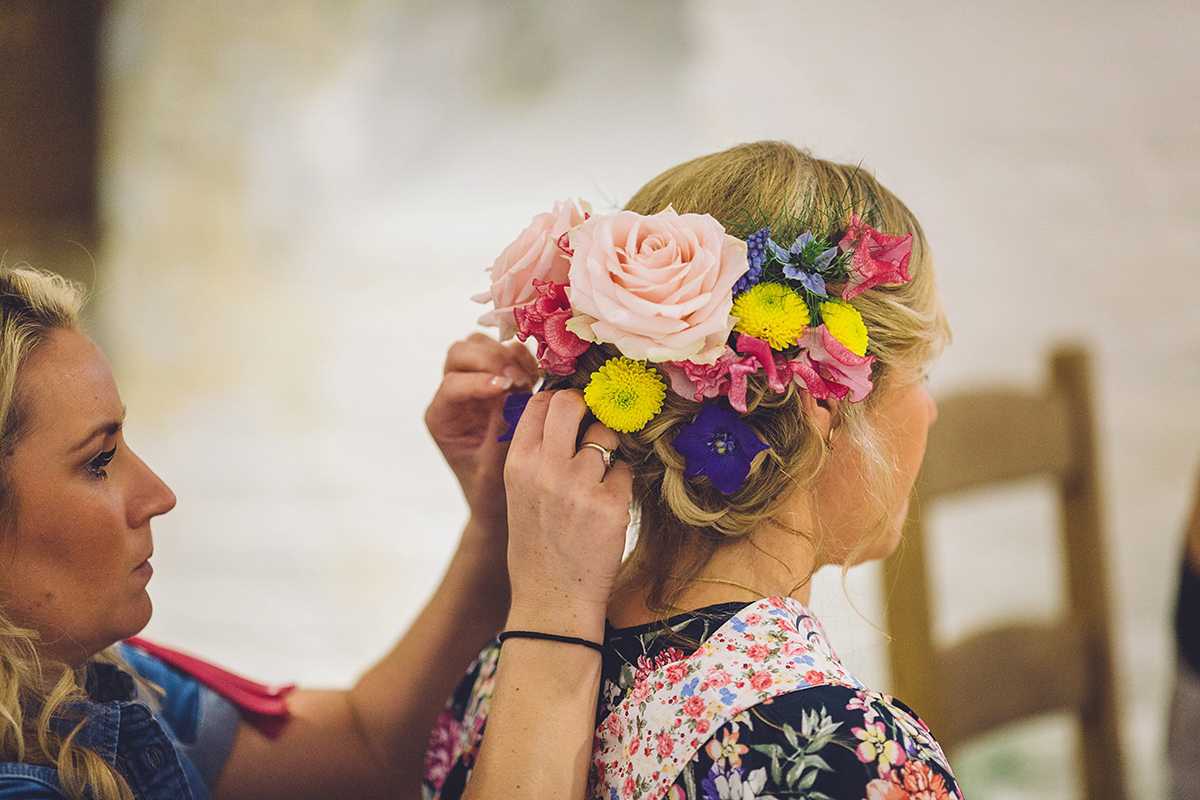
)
(845, 324)
(771, 312)
(625, 394)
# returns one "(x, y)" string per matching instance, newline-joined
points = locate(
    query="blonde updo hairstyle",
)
(683, 521)
(36, 696)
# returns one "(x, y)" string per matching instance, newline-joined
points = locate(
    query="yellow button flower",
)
(772, 312)
(625, 394)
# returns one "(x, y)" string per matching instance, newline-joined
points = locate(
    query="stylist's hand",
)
(567, 514)
(465, 418)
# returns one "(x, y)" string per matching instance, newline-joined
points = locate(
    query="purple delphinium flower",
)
(514, 407)
(719, 445)
(756, 254)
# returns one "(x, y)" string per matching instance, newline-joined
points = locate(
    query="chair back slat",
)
(1021, 668)
(1040, 666)
(975, 443)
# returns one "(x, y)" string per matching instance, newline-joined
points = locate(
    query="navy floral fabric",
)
(823, 741)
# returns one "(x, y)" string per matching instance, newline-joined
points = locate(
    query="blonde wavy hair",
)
(39, 699)
(749, 186)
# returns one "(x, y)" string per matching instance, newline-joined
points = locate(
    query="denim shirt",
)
(173, 753)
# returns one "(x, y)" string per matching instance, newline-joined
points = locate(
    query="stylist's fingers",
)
(527, 438)
(520, 356)
(598, 447)
(482, 354)
(566, 412)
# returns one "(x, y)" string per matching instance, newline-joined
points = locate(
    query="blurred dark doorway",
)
(48, 134)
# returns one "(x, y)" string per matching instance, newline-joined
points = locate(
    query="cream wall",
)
(300, 198)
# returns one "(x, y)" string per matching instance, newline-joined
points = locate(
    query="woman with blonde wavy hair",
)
(756, 325)
(88, 712)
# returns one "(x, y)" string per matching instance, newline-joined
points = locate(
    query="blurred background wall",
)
(295, 200)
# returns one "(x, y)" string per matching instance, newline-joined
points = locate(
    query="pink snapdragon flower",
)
(875, 257)
(698, 381)
(829, 369)
(545, 319)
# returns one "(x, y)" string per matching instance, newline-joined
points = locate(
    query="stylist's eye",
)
(96, 466)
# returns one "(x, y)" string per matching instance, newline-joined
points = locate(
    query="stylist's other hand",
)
(567, 514)
(465, 417)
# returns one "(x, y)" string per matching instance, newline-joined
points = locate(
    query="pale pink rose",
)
(761, 679)
(536, 253)
(659, 287)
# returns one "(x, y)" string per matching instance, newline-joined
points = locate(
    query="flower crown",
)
(680, 297)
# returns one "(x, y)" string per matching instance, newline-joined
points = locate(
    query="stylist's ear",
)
(823, 413)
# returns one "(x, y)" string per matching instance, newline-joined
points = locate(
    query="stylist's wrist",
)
(565, 616)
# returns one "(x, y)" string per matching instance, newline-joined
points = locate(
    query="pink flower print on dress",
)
(716, 678)
(875, 746)
(440, 756)
(761, 680)
(676, 672)
(727, 753)
(758, 651)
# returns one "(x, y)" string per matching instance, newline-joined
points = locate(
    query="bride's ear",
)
(823, 413)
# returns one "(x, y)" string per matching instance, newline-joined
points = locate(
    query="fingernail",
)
(502, 381)
(517, 376)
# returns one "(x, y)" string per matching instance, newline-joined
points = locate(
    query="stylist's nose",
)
(150, 496)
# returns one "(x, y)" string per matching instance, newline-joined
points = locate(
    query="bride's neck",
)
(774, 560)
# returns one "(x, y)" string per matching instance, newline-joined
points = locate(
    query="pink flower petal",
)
(875, 257)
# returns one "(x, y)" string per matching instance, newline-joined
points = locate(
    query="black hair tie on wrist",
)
(550, 637)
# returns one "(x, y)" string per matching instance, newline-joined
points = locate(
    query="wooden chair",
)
(1023, 669)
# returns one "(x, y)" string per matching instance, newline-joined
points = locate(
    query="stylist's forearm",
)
(401, 696)
(540, 728)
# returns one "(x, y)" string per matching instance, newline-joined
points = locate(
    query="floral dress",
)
(726, 702)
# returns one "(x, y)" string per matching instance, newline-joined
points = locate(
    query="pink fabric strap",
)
(767, 649)
(262, 706)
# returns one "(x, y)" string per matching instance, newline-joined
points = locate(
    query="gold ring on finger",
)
(604, 451)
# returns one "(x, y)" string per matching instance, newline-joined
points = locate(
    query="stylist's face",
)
(76, 544)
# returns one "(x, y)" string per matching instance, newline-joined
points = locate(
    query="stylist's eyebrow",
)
(103, 429)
